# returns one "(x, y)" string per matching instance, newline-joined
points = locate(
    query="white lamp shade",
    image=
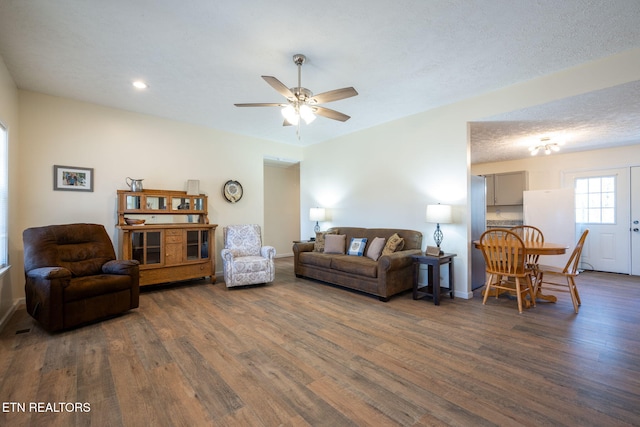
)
(440, 214)
(317, 214)
(307, 114)
(291, 115)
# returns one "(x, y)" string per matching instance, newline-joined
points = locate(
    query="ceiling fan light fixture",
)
(306, 113)
(302, 103)
(290, 115)
(545, 146)
(139, 84)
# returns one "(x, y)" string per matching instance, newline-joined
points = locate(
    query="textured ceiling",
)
(599, 119)
(404, 57)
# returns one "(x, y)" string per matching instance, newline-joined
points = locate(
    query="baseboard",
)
(284, 255)
(5, 319)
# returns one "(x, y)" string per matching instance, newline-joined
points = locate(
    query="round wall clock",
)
(232, 191)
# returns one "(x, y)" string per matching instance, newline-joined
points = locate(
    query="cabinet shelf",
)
(168, 251)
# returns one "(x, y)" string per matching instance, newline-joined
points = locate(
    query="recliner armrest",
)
(48, 273)
(120, 266)
(268, 252)
(226, 255)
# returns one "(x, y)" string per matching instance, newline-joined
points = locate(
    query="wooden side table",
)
(432, 289)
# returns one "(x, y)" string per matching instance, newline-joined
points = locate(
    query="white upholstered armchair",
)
(245, 260)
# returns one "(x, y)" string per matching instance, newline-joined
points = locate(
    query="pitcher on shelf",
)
(134, 184)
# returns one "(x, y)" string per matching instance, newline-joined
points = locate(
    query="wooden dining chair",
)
(505, 257)
(529, 233)
(563, 280)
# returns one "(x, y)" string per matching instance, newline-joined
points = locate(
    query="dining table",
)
(539, 248)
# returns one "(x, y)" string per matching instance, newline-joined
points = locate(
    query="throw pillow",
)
(394, 244)
(334, 243)
(375, 248)
(356, 246)
(318, 245)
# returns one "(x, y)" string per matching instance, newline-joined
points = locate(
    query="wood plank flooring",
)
(301, 353)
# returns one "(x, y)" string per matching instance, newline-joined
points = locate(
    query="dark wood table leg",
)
(434, 279)
(416, 274)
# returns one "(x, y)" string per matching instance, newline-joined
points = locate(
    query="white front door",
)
(635, 221)
(607, 246)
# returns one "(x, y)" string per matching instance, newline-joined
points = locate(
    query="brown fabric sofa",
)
(389, 275)
(72, 276)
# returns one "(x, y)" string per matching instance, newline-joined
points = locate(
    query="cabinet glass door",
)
(133, 202)
(156, 202)
(179, 203)
(197, 244)
(198, 203)
(146, 247)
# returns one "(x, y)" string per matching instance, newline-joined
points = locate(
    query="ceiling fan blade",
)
(279, 86)
(331, 114)
(335, 95)
(263, 104)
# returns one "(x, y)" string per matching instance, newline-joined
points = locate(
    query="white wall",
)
(120, 144)
(385, 176)
(281, 207)
(12, 282)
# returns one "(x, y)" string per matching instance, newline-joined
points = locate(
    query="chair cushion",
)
(250, 264)
(81, 259)
(243, 240)
(90, 286)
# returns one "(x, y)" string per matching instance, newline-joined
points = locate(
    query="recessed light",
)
(139, 84)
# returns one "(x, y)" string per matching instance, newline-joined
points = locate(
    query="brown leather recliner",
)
(73, 277)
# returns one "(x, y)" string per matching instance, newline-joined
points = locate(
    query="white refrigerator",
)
(553, 212)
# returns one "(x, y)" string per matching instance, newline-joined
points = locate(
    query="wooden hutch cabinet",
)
(176, 241)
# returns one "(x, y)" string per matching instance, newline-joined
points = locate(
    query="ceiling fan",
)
(301, 102)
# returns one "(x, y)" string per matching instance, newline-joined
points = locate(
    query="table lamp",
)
(317, 214)
(439, 214)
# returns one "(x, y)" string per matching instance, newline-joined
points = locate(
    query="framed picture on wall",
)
(72, 178)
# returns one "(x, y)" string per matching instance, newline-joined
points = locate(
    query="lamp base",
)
(437, 235)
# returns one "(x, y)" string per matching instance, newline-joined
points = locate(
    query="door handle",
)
(636, 230)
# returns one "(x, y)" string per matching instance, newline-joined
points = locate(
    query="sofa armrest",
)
(397, 260)
(122, 267)
(299, 247)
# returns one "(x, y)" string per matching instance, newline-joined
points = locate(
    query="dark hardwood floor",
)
(301, 353)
